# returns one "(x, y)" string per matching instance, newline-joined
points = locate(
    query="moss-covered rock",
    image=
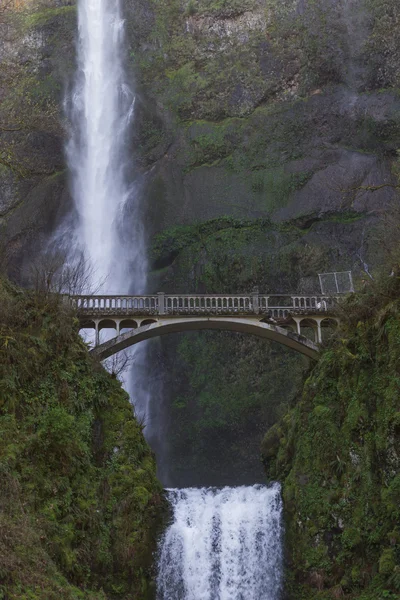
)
(338, 456)
(37, 60)
(79, 498)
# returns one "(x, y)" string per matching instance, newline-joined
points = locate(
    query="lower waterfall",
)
(222, 544)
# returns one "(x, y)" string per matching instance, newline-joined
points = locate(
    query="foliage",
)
(383, 48)
(78, 495)
(183, 61)
(338, 454)
(221, 389)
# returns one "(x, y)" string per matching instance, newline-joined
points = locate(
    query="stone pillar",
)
(255, 300)
(161, 303)
(319, 332)
(298, 327)
(97, 337)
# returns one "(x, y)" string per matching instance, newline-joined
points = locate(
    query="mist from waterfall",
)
(109, 230)
(101, 110)
(222, 545)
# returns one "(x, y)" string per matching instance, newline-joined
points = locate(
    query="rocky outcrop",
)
(36, 54)
(251, 109)
(274, 108)
(79, 500)
(337, 453)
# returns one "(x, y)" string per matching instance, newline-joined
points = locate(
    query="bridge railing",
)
(277, 306)
(114, 304)
(200, 303)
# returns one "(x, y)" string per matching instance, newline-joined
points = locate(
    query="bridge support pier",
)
(298, 328)
(319, 331)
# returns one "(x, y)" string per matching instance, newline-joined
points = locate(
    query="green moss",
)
(224, 8)
(39, 18)
(337, 455)
(387, 561)
(382, 45)
(78, 494)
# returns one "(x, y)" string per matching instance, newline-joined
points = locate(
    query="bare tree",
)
(57, 274)
(119, 364)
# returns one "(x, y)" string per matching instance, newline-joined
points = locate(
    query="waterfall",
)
(109, 229)
(101, 109)
(222, 545)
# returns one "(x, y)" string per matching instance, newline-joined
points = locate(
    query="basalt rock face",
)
(36, 54)
(279, 115)
(247, 109)
(275, 115)
(266, 108)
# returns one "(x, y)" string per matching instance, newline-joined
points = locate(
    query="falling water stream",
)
(222, 544)
(101, 111)
(100, 108)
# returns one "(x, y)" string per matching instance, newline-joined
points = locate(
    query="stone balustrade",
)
(277, 306)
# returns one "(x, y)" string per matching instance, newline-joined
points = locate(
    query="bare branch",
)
(56, 274)
(119, 364)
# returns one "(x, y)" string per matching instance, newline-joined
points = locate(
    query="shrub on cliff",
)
(79, 498)
(337, 453)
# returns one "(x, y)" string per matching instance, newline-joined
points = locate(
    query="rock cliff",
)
(248, 109)
(79, 499)
(337, 453)
(267, 134)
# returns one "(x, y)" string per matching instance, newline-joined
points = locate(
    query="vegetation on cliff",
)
(79, 499)
(337, 452)
(221, 391)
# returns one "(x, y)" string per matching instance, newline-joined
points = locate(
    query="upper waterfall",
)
(101, 111)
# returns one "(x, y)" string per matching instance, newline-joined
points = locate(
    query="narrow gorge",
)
(199, 147)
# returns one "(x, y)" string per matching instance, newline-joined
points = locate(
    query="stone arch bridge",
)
(281, 318)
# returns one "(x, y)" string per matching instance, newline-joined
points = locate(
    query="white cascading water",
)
(101, 109)
(109, 231)
(222, 545)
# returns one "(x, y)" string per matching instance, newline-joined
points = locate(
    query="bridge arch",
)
(128, 324)
(147, 322)
(107, 324)
(177, 325)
